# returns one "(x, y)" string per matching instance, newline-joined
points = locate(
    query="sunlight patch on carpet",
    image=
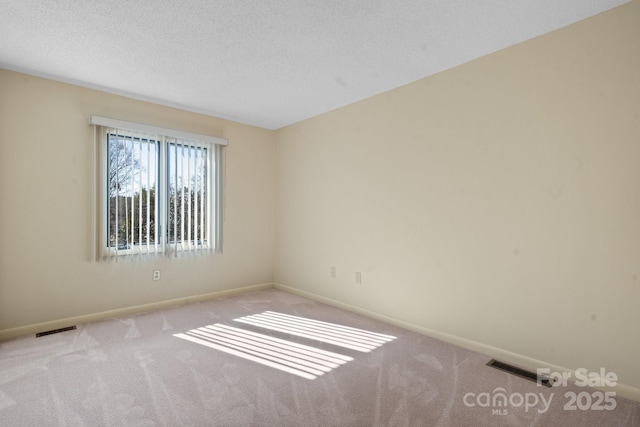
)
(330, 333)
(298, 359)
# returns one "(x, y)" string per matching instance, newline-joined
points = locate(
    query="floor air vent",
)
(522, 373)
(55, 331)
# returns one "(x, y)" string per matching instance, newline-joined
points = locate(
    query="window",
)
(161, 191)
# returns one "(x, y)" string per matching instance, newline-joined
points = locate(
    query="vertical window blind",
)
(161, 191)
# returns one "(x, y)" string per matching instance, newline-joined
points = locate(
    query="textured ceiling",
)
(268, 63)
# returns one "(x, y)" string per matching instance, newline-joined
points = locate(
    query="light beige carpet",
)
(270, 358)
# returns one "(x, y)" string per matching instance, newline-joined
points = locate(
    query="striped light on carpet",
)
(298, 359)
(330, 333)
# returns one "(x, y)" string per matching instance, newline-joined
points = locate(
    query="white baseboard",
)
(622, 390)
(127, 311)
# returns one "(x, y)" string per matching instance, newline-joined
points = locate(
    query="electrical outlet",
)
(358, 277)
(156, 274)
(333, 272)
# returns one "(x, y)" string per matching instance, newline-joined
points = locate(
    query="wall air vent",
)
(55, 331)
(522, 373)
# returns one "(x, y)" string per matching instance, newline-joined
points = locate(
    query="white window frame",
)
(165, 137)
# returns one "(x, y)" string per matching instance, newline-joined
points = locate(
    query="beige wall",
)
(46, 234)
(498, 201)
